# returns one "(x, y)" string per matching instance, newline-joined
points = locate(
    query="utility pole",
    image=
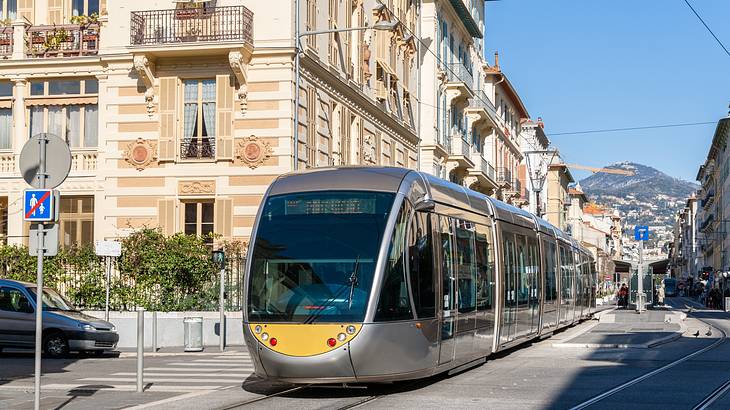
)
(640, 280)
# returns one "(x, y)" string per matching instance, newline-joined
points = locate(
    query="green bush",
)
(157, 272)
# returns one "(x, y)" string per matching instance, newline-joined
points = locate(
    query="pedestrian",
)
(661, 294)
(623, 295)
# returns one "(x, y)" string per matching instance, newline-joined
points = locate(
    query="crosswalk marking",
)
(160, 380)
(201, 369)
(208, 364)
(123, 387)
(218, 361)
(155, 374)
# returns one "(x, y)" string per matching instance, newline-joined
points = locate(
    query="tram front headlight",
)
(341, 337)
(257, 329)
(264, 336)
(350, 330)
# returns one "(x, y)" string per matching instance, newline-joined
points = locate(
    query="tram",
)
(378, 274)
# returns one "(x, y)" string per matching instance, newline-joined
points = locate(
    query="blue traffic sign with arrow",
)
(641, 233)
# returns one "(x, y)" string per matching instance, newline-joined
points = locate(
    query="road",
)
(534, 376)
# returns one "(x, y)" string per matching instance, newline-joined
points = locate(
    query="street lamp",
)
(383, 25)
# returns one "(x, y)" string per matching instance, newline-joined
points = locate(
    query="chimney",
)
(540, 123)
(496, 60)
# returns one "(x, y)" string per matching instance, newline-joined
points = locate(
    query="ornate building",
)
(179, 114)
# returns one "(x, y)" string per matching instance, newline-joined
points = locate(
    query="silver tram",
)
(373, 274)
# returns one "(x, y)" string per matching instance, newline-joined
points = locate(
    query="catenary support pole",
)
(39, 278)
(140, 350)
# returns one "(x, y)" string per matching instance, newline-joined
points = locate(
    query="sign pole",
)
(39, 289)
(107, 265)
(640, 281)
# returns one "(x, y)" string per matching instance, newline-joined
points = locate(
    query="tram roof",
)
(387, 179)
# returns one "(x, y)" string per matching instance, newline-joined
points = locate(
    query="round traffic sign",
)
(58, 161)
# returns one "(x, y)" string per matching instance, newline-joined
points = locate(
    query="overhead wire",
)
(707, 27)
(647, 127)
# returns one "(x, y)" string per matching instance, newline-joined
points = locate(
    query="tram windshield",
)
(315, 254)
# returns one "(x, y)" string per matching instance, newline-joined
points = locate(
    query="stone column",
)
(20, 136)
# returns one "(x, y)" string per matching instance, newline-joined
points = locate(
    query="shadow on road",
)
(20, 364)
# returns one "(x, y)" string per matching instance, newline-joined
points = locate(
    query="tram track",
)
(702, 405)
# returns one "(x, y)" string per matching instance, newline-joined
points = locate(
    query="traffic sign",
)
(50, 239)
(641, 233)
(57, 164)
(38, 205)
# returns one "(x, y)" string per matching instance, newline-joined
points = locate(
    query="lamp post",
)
(381, 26)
(219, 259)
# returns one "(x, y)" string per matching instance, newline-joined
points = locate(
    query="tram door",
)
(509, 308)
(466, 292)
(448, 293)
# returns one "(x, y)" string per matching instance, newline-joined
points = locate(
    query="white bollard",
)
(140, 350)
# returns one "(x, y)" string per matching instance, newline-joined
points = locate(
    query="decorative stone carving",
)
(141, 153)
(253, 152)
(238, 65)
(145, 68)
(196, 187)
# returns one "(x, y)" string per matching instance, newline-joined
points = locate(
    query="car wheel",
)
(56, 345)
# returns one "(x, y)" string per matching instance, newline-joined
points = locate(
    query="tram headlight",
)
(257, 329)
(264, 336)
(350, 330)
(341, 337)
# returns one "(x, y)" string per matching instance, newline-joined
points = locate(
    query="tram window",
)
(534, 269)
(551, 291)
(447, 261)
(485, 268)
(466, 266)
(394, 303)
(523, 286)
(564, 276)
(420, 265)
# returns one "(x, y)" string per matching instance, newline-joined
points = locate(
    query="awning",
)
(61, 101)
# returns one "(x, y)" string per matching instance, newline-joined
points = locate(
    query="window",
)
(198, 120)
(77, 220)
(13, 300)
(311, 22)
(66, 108)
(551, 291)
(199, 218)
(447, 267)
(394, 302)
(6, 116)
(84, 7)
(466, 266)
(420, 265)
(485, 268)
(9, 9)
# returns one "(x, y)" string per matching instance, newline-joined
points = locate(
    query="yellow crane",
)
(604, 170)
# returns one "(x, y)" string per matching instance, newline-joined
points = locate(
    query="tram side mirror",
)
(425, 204)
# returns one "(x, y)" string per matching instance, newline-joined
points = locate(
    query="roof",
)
(510, 90)
(465, 16)
(565, 167)
(576, 192)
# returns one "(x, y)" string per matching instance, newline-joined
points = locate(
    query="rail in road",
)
(708, 399)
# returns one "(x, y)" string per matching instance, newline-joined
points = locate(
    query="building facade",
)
(179, 114)
(558, 201)
(534, 145)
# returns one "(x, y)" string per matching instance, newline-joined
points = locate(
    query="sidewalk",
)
(628, 329)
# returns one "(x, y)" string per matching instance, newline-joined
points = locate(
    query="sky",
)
(589, 64)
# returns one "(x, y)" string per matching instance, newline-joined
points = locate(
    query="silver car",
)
(64, 327)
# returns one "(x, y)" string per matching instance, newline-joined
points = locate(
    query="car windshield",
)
(52, 300)
(315, 254)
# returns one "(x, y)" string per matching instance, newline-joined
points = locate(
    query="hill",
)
(649, 197)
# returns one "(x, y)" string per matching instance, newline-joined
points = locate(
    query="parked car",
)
(64, 327)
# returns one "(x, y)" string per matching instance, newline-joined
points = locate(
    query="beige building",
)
(180, 114)
(558, 200)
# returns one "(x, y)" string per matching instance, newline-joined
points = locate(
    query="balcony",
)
(197, 148)
(460, 149)
(709, 199)
(483, 171)
(6, 42)
(7, 163)
(459, 80)
(180, 27)
(504, 177)
(83, 161)
(68, 40)
(707, 224)
(483, 107)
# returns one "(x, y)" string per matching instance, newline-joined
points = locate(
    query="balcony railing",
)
(459, 73)
(83, 161)
(150, 27)
(459, 145)
(7, 163)
(481, 100)
(6, 41)
(708, 199)
(486, 168)
(504, 176)
(68, 40)
(517, 185)
(197, 148)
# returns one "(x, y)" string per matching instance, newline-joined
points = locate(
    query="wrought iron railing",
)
(6, 41)
(459, 145)
(487, 168)
(197, 148)
(67, 40)
(459, 73)
(504, 176)
(232, 23)
(481, 100)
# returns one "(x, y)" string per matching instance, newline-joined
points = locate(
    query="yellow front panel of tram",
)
(303, 339)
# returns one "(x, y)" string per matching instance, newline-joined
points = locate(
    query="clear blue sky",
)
(585, 65)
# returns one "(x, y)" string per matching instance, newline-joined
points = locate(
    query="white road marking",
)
(159, 380)
(170, 400)
(209, 364)
(223, 375)
(200, 369)
(219, 361)
(123, 387)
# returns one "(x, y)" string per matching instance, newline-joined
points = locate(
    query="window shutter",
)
(224, 117)
(55, 11)
(25, 10)
(223, 217)
(102, 7)
(166, 216)
(168, 118)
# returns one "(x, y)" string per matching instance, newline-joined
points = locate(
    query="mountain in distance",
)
(649, 197)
